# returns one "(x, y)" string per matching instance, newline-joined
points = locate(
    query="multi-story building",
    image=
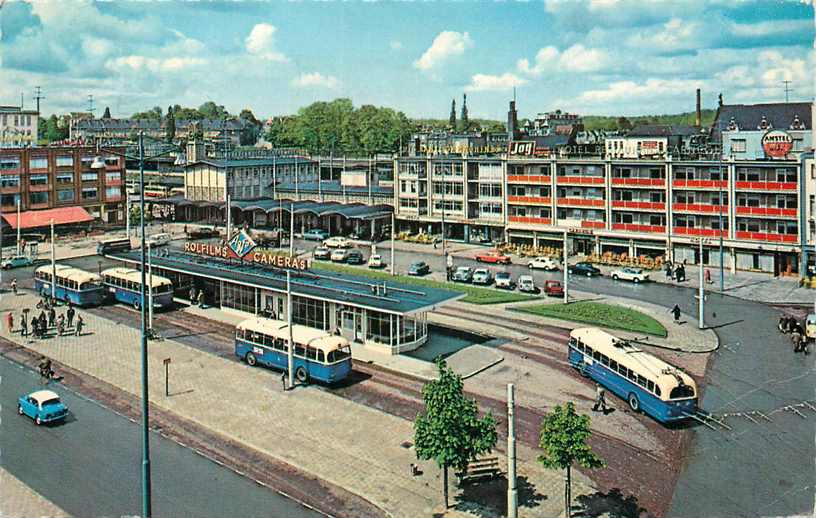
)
(18, 127)
(60, 177)
(654, 141)
(764, 131)
(554, 123)
(211, 130)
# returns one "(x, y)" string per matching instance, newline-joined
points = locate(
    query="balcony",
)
(765, 186)
(581, 202)
(530, 220)
(640, 182)
(766, 211)
(637, 227)
(580, 180)
(638, 205)
(770, 237)
(702, 232)
(592, 224)
(524, 178)
(536, 200)
(700, 184)
(700, 207)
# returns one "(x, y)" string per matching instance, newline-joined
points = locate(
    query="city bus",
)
(646, 382)
(318, 354)
(113, 245)
(124, 285)
(73, 285)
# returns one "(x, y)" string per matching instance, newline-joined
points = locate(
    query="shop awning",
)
(42, 218)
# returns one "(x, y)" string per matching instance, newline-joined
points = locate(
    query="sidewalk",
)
(17, 500)
(332, 438)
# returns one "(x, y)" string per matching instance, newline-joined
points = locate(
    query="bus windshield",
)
(339, 355)
(681, 391)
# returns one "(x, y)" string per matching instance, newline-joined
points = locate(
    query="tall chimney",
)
(698, 119)
(512, 122)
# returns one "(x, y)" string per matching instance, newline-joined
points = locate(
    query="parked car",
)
(553, 288)
(321, 253)
(43, 406)
(201, 232)
(543, 263)
(17, 261)
(482, 276)
(315, 234)
(505, 281)
(462, 274)
(810, 326)
(158, 239)
(635, 275)
(339, 255)
(419, 268)
(354, 256)
(493, 257)
(583, 269)
(527, 284)
(375, 261)
(337, 242)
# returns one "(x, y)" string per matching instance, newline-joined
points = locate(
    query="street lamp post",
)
(566, 269)
(146, 490)
(53, 264)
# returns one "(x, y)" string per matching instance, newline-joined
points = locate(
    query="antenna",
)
(38, 96)
(514, 94)
(787, 83)
(90, 105)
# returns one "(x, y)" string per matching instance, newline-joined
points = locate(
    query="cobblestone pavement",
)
(17, 500)
(342, 442)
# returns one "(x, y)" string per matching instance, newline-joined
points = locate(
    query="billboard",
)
(777, 144)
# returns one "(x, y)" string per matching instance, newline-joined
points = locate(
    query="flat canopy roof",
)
(353, 290)
(43, 218)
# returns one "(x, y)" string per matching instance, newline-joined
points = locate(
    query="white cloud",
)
(261, 43)
(675, 34)
(652, 89)
(316, 79)
(576, 58)
(143, 63)
(395, 45)
(482, 82)
(446, 45)
(545, 58)
(769, 28)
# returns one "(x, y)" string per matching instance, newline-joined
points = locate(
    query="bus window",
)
(299, 351)
(681, 391)
(605, 360)
(573, 342)
(280, 345)
(588, 350)
(269, 341)
(650, 385)
(321, 357)
(641, 381)
(596, 356)
(311, 354)
(239, 333)
(613, 365)
(632, 376)
(622, 370)
(657, 390)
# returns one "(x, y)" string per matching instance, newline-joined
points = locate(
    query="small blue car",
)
(43, 406)
(419, 268)
(16, 262)
(315, 234)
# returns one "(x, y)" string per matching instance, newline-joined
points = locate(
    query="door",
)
(352, 326)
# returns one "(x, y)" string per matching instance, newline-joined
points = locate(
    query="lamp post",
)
(53, 265)
(18, 226)
(722, 250)
(566, 270)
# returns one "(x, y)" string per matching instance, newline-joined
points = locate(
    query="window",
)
(490, 190)
(786, 202)
(408, 203)
(490, 209)
(65, 161)
(65, 195)
(89, 193)
(786, 228)
(748, 225)
(681, 391)
(36, 198)
(9, 199)
(112, 192)
(738, 145)
(623, 217)
(657, 220)
(309, 312)
(379, 327)
(113, 177)
(10, 180)
(65, 177)
(685, 173)
(622, 195)
(656, 173)
(90, 177)
(9, 162)
(685, 197)
(238, 297)
(38, 179)
(785, 175)
(748, 175)
(38, 163)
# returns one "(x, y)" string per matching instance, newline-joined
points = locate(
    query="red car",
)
(553, 289)
(493, 257)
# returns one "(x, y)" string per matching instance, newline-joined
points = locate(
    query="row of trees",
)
(600, 122)
(451, 433)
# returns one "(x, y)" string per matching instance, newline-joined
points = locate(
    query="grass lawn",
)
(474, 295)
(597, 313)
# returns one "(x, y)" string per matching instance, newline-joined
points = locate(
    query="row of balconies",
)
(655, 182)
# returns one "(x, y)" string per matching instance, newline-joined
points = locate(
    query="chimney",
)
(512, 122)
(698, 119)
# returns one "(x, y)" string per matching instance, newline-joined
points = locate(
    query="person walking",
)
(676, 312)
(60, 325)
(201, 299)
(796, 338)
(24, 326)
(600, 399)
(79, 324)
(192, 296)
(52, 317)
(10, 322)
(681, 273)
(14, 286)
(283, 380)
(70, 315)
(669, 270)
(707, 276)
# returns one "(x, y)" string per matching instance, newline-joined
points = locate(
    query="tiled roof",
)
(659, 130)
(748, 117)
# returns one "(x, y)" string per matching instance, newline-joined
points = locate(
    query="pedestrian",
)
(283, 380)
(681, 273)
(201, 299)
(600, 399)
(79, 325)
(192, 296)
(52, 317)
(60, 326)
(14, 286)
(676, 312)
(24, 326)
(796, 338)
(707, 276)
(669, 270)
(9, 322)
(435, 241)
(70, 315)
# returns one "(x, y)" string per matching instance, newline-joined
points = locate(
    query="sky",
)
(600, 57)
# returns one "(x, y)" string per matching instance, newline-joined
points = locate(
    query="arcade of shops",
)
(387, 316)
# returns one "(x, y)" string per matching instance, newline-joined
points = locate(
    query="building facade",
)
(18, 127)
(56, 177)
(211, 130)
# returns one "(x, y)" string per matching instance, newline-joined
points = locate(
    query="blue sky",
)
(593, 57)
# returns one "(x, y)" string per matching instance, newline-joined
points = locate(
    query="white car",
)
(527, 284)
(158, 240)
(337, 242)
(543, 263)
(505, 281)
(375, 261)
(482, 276)
(635, 275)
(340, 255)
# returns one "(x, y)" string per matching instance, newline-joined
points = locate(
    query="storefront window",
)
(309, 312)
(239, 297)
(379, 327)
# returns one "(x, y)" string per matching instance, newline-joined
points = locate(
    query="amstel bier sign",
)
(777, 143)
(241, 246)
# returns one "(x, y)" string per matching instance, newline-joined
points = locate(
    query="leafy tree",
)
(107, 114)
(210, 110)
(450, 431)
(564, 436)
(464, 122)
(251, 128)
(171, 125)
(154, 113)
(53, 130)
(624, 123)
(452, 118)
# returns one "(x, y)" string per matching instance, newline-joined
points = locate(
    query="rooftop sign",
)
(777, 143)
(238, 245)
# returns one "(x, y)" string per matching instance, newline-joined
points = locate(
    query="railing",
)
(592, 224)
(767, 236)
(523, 178)
(766, 211)
(581, 202)
(581, 180)
(642, 205)
(700, 207)
(530, 220)
(640, 182)
(636, 227)
(704, 232)
(766, 186)
(529, 199)
(701, 184)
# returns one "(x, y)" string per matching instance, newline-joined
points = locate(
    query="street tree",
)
(452, 118)
(450, 430)
(564, 436)
(171, 125)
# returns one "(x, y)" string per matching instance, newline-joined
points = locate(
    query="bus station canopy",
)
(43, 218)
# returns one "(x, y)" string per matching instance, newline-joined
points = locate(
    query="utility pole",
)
(53, 264)
(701, 294)
(229, 216)
(150, 287)
(38, 96)
(19, 237)
(566, 270)
(290, 353)
(146, 489)
(722, 250)
(512, 491)
(787, 83)
(291, 230)
(392, 244)
(90, 105)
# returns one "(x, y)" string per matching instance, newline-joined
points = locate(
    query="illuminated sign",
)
(777, 143)
(526, 148)
(241, 244)
(261, 257)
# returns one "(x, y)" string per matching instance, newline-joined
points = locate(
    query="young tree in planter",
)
(450, 431)
(564, 436)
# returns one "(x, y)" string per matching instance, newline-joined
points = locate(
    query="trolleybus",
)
(124, 284)
(73, 285)
(318, 354)
(649, 384)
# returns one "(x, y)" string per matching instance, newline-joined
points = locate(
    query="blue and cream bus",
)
(124, 285)
(73, 285)
(318, 354)
(648, 383)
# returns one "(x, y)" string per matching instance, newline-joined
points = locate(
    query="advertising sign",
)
(526, 148)
(241, 246)
(777, 143)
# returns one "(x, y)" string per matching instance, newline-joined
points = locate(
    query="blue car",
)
(43, 406)
(316, 234)
(419, 268)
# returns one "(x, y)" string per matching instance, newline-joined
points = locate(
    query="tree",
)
(564, 436)
(53, 131)
(464, 117)
(250, 129)
(624, 124)
(210, 110)
(154, 113)
(171, 125)
(452, 118)
(107, 114)
(450, 431)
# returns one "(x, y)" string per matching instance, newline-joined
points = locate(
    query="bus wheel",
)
(301, 375)
(634, 403)
(251, 360)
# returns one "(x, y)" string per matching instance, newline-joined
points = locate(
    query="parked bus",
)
(113, 245)
(124, 284)
(318, 354)
(648, 383)
(73, 285)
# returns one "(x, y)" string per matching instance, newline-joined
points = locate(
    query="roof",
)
(42, 218)
(342, 288)
(70, 273)
(315, 338)
(748, 117)
(661, 130)
(334, 187)
(351, 211)
(550, 141)
(43, 395)
(253, 162)
(135, 276)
